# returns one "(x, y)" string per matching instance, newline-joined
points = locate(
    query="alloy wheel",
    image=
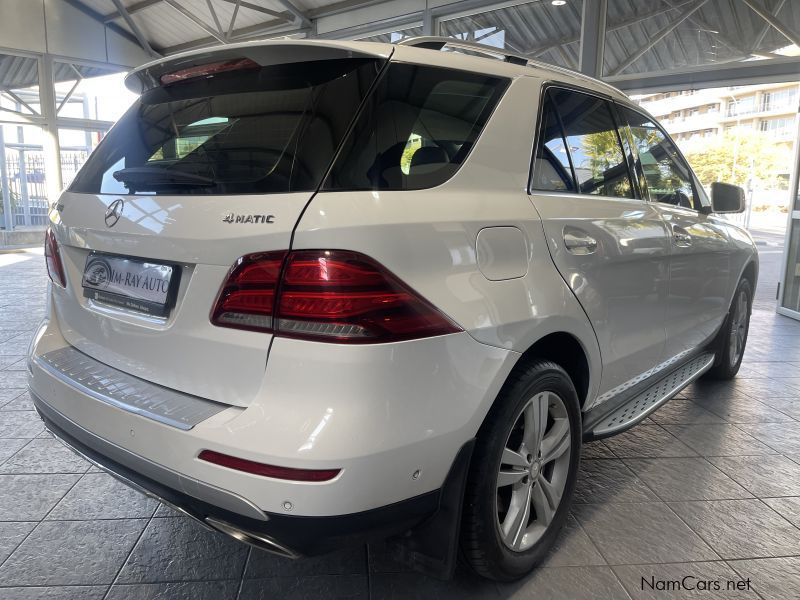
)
(738, 328)
(533, 471)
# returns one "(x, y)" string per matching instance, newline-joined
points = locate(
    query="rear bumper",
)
(290, 536)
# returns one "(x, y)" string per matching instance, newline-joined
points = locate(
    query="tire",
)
(491, 540)
(732, 338)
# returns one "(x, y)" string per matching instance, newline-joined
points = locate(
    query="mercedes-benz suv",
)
(315, 293)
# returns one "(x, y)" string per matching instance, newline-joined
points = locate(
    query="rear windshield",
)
(266, 130)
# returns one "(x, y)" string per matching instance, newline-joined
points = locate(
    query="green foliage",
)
(756, 155)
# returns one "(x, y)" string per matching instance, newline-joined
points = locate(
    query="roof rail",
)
(433, 42)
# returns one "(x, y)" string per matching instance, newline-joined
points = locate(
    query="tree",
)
(756, 155)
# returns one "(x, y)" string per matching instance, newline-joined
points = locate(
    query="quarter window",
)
(593, 145)
(668, 177)
(551, 168)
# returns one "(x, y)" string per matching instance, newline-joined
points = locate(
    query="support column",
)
(52, 150)
(593, 31)
(4, 184)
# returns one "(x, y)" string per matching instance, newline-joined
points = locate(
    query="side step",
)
(648, 401)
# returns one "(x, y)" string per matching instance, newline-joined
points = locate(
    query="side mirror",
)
(726, 198)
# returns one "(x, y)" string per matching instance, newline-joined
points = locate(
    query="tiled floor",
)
(708, 487)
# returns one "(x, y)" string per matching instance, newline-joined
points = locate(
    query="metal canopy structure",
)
(637, 44)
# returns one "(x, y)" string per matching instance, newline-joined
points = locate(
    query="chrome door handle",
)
(579, 242)
(682, 237)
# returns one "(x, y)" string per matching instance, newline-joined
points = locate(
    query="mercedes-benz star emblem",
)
(114, 212)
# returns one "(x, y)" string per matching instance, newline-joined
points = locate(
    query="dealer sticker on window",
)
(137, 285)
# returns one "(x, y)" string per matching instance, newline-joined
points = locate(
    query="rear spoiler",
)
(263, 53)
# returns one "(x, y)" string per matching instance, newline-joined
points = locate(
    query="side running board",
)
(648, 401)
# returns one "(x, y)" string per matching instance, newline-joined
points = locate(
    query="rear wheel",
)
(522, 473)
(732, 338)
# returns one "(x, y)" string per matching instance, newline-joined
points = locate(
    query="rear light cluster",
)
(208, 70)
(256, 468)
(326, 295)
(55, 269)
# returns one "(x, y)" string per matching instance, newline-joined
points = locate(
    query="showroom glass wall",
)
(52, 114)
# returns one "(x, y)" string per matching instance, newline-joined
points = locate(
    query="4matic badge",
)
(234, 218)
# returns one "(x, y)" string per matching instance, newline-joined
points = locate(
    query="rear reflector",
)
(55, 269)
(326, 295)
(255, 468)
(208, 70)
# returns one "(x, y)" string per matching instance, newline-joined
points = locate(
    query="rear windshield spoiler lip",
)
(264, 53)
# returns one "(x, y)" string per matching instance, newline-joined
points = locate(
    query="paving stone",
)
(574, 583)
(718, 440)
(746, 410)
(72, 553)
(573, 548)
(678, 411)
(101, 496)
(788, 508)
(192, 590)
(773, 578)
(740, 528)
(9, 447)
(609, 481)
(11, 534)
(45, 456)
(641, 533)
(20, 424)
(73, 592)
(648, 441)
(351, 561)
(783, 437)
(309, 586)
(30, 497)
(178, 549)
(596, 449)
(690, 478)
(764, 476)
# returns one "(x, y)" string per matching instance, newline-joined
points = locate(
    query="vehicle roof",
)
(274, 51)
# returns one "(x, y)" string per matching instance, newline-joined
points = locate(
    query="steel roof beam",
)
(301, 17)
(784, 29)
(665, 31)
(197, 21)
(261, 9)
(135, 28)
(763, 33)
(131, 10)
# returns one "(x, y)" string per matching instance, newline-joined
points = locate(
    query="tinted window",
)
(415, 129)
(263, 130)
(668, 177)
(551, 168)
(594, 144)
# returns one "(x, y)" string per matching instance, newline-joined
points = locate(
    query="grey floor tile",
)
(678, 411)
(760, 370)
(45, 456)
(20, 424)
(310, 586)
(351, 561)
(692, 478)
(192, 590)
(202, 555)
(685, 580)
(9, 394)
(573, 548)
(718, 440)
(13, 379)
(574, 583)
(414, 586)
(596, 449)
(772, 578)
(746, 410)
(641, 533)
(648, 441)
(9, 447)
(74, 592)
(30, 497)
(786, 406)
(11, 535)
(101, 496)
(772, 475)
(783, 437)
(788, 508)
(381, 560)
(72, 553)
(609, 481)
(22, 402)
(766, 388)
(740, 528)
(708, 390)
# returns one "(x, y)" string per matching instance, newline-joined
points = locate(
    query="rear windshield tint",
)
(416, 128)
(268, 130)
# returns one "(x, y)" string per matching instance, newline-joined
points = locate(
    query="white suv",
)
(317, 293)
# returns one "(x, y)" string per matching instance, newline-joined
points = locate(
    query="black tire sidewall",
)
(724, 369)
(502, 563)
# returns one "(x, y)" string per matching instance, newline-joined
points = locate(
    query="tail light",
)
(327, 295)
(208, 70)
(256, 468)
(54, 267)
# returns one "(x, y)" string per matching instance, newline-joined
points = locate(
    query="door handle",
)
(682, 237)
(579, 242)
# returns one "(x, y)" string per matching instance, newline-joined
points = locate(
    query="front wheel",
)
(522, 473)
(732, 338)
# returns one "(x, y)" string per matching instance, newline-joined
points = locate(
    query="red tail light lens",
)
(55, 269)
(256, 468)
(326, 295)
(247, 299)
(209, 69)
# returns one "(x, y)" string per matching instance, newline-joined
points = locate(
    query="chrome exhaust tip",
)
(257, 540)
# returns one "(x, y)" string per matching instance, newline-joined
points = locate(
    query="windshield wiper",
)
(160, 176)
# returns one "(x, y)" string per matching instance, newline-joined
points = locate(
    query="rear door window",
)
(260, 130)
(415, 129)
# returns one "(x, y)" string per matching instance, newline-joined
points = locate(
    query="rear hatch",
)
(216, 160)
